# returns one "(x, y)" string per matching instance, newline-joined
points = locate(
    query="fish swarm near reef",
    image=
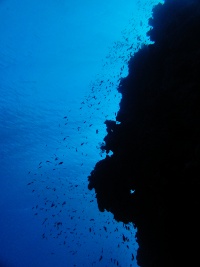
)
(153, 176)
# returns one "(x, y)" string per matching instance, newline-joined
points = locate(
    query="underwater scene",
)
(60, 65)
(99, 133)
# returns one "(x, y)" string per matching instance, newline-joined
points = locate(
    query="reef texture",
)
(155, 142)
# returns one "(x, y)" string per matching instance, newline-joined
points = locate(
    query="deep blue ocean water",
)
(60, 64)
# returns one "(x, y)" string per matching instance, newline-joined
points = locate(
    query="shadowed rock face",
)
(156, 146)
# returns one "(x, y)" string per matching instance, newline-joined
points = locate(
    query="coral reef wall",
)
(152, 177)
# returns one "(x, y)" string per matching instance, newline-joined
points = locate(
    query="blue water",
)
(60, 64)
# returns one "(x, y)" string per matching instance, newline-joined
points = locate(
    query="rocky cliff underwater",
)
(152, 177)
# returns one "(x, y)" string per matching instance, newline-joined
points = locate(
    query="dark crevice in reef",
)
(156, 146)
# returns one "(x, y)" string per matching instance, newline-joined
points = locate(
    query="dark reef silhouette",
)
(155, 142)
